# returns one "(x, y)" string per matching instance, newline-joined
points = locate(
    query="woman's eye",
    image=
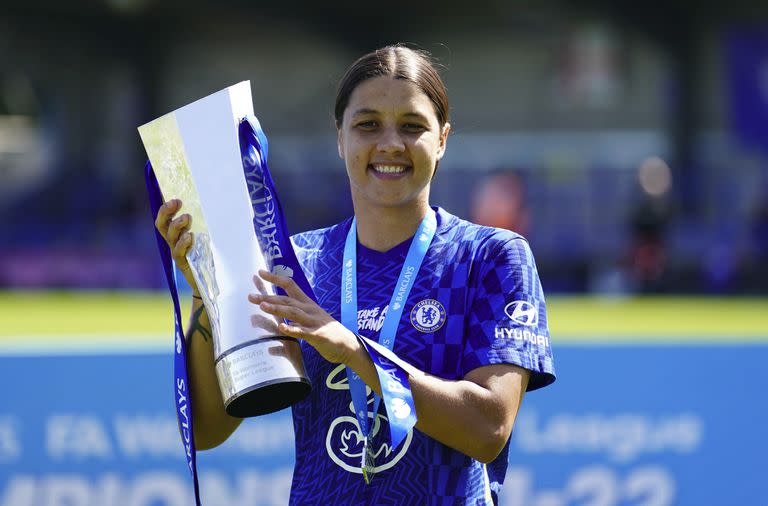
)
(413, 127)
(367, 125)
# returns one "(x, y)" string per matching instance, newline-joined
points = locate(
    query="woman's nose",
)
(390, 141)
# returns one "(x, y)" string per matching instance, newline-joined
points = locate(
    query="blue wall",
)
(623, 425)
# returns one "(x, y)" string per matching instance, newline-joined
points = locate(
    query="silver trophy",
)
(195, 154)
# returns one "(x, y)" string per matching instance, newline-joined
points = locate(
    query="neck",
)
(382, 228)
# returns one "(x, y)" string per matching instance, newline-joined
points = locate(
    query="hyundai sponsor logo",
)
(522, 312)
(502, 333)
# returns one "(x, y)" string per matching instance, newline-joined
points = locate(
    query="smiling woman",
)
(427, 286)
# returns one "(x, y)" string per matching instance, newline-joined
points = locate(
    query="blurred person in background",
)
(499, 201)
(648, 222)
(475, 330)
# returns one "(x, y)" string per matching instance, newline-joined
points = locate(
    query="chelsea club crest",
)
(428, 315)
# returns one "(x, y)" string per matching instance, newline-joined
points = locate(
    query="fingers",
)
(175, 230)
(165, 215)
(288, 312)
(286, 283)
(284, 307)
(258, 298)
(264, 323)
(177, 227)
(179, 252)
(294, 330)
(260, 286)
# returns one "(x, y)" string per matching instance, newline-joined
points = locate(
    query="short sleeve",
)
(507, 320)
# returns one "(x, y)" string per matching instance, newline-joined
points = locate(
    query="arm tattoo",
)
(197, 326)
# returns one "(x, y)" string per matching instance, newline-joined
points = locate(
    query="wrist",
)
(357, 356)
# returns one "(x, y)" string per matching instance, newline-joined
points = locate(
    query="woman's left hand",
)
(308, 321)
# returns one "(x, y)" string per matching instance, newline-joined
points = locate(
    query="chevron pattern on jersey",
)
(480, 276)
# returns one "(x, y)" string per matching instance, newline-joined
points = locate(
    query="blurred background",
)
(628, 141)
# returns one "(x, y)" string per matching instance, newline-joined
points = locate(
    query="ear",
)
(443, 140)
(340, 142)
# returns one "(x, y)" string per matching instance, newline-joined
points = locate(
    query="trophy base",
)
(268, 397)
(262, 376)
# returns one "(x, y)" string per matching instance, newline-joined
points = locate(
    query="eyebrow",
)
(363, 111)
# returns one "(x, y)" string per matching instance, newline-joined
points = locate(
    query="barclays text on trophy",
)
(211, 154)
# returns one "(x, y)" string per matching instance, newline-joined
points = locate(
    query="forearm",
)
(462, 414)
(212, 425)
(473, 415)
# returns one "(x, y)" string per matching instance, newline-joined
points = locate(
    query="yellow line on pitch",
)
(659, 319)
(141, 314)
(148, 315)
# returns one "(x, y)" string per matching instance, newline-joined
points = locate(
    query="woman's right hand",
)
(176, 232)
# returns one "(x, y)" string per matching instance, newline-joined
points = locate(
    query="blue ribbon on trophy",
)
(182, 398)
(268, 217)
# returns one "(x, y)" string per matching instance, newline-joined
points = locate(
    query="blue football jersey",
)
(477, 301)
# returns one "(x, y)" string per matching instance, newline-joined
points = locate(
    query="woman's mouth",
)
(388, 171)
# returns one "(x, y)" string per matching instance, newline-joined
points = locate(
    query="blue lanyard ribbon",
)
(180, 379)
(269, 226)
(395, 387)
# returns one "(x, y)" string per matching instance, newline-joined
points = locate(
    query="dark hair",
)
(400, 62)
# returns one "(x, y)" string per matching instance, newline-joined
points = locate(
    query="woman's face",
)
(390, 140)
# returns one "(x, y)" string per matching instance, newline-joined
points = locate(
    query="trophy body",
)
(196, 156)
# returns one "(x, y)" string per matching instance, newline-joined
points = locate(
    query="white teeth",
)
(389, 169)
